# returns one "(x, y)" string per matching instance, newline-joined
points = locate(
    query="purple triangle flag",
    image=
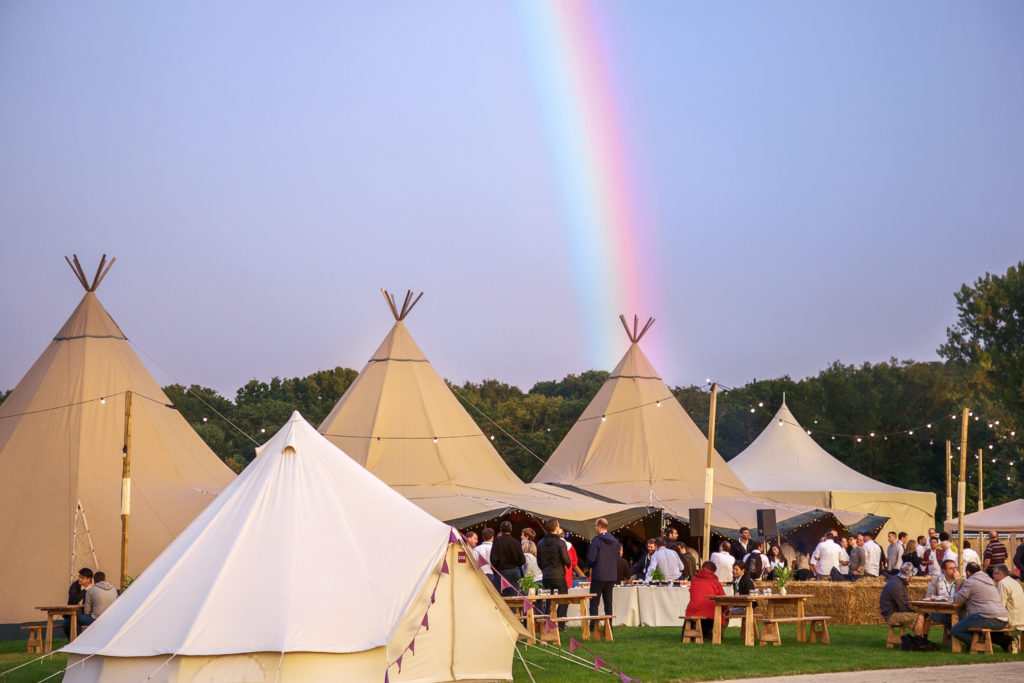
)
(385, 676)
(426, 622)
(412, 646)
(444, 566)
(482, 561)
(453, 537)
(399, 663)
(598, 663)
(527, 605)
(433, 596)
(573, 644)
(504, 583)
(547, 625)
(624, 678)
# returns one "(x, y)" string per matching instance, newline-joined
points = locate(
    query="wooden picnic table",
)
(767, 602)
(516, 604)
(939, 607)
(61, 611)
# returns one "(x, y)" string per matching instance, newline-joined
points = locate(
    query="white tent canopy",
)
(785, 464)
(291, 560)
(1005, 518)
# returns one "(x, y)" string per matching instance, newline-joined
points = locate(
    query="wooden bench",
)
(692, 632)
(770, 629)
(603, 631)
(35, 638)
(896, 638)
(982, 639)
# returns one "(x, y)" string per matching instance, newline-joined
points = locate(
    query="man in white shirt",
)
(942, 587)
(948, 553)
(931, 557)
(723, 561)
(825, 558)
(1012, 595)
(872, 556)
(970, 555)
(484, 550)
(667, 560)
(844, 556)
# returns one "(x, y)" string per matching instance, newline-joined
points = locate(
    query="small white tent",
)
(288, 576)
(1005, 518)
(785, 464)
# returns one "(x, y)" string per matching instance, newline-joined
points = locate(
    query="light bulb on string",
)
(435, 439)
(103, 400)
(603, 418)
(760, 404)
(871, 434)
(929, 426)
(753, 410)
(911, 432)
(808, 431)
(658, 404)
(204, 419)
(858, 439)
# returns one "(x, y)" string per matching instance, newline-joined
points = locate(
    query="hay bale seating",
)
(848, 603)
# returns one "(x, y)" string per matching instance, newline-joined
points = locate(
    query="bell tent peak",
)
(76, 268)
(407, 305)
(636, 334)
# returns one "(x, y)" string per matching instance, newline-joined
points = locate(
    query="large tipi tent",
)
(288, 577)
(785, 464)
(401, 421)
(635, 443)
(62, 431)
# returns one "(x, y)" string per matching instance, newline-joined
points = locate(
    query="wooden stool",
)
(603, 631)
(35, 638)
(692, 632)
(896, 638)
(819, 631)
(981, 640)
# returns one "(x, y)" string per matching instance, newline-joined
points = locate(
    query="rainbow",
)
(611, 245)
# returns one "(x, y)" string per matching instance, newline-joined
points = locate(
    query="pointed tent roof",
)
(401, 421)
(785, 463)
(1005, 518)
(61, 439)
(271, 523)
(635, 443)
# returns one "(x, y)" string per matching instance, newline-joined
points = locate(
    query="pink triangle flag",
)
(504, 583)
(385, 676)
(573, 644)
(453, 536)
(426, 622)
(547, 625)
(444, 566)
(626, 679)
(598, 663)
(399, 663)
(433, 596)
(482, 561)
(527, 605)
(412, 646)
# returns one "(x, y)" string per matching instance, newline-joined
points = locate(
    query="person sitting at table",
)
(723, 561)
(1012, 595)
(639, 568)
(98, 598)
(742, 584)
(941, 587)
(76, 595)
(894, 603)
(705, 583)
(665, 560)
(985, 609)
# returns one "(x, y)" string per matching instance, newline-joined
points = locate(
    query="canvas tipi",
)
(295, 573)
(636, 444)
(785, 464)
(62, 432)
(401, 421)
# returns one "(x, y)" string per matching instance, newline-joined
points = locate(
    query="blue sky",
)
(815, 182)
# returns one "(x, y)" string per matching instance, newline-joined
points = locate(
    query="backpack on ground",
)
(909, 641)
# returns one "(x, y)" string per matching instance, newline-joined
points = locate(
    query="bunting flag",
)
(573, 644)
(527, 605)
(433, 596)
(626, 679)
(399, 663)
(481, 561)
(412, 646)
(504, 583)
(444, 566)
(426, 622)
(598, 663)
(453, 536)
(547, 625)
(385, 676)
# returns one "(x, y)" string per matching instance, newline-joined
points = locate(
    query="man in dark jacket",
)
(507, 558)
(76, 595)
(1018, 560)
(639, 568)
(603, 560)
(894, 603)
(553, 558)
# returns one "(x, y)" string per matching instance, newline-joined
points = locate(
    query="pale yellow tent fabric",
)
(61, 439)
(1005, 518)
(636, 444)
(785, 464)
(401, 421)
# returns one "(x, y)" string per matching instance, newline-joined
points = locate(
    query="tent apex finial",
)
(76, 268)
(636, 334)
(407, 305)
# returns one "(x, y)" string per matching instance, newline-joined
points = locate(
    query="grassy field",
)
(654, 654)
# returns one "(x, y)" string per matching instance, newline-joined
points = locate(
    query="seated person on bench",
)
(978, 593)
(704, 583)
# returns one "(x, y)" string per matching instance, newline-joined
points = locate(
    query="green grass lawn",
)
(654, 654)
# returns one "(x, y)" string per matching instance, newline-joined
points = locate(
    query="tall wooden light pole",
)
(961, 488)
(126, 486)
(709, 476)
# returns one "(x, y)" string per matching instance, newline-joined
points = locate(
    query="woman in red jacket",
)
(703, 584)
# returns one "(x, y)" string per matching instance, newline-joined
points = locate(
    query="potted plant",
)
(657, 576)
(782, 576)
(528, 585)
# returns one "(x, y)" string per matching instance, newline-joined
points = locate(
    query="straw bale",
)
(846, 602)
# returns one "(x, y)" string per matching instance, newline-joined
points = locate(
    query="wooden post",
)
(981, 481)
(949, 479)
(709, 476)
(961, 488)
(126, 486)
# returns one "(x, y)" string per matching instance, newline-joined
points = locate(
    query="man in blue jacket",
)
(603, 560)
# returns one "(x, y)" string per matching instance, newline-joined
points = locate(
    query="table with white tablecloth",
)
(640, 605)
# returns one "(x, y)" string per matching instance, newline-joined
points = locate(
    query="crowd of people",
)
(94, 593)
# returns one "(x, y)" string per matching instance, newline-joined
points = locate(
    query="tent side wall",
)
(258, 667)
(910, 511)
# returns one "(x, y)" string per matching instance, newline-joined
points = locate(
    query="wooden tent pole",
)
(126, 486)
(709, 477)
(961, 488)
(949, 479)
(981, 481)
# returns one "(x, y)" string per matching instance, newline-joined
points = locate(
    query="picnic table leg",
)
(74, 627)
(48, 644)
(584, 626)
(955, 642)
(800, 634)
(748, 626)
(716, 631)
(531, 626)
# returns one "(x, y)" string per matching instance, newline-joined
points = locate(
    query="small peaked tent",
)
(635, 443)
(401, 421)
(62, 431)
(282, 579)
(785, 464)
(1006, 518)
